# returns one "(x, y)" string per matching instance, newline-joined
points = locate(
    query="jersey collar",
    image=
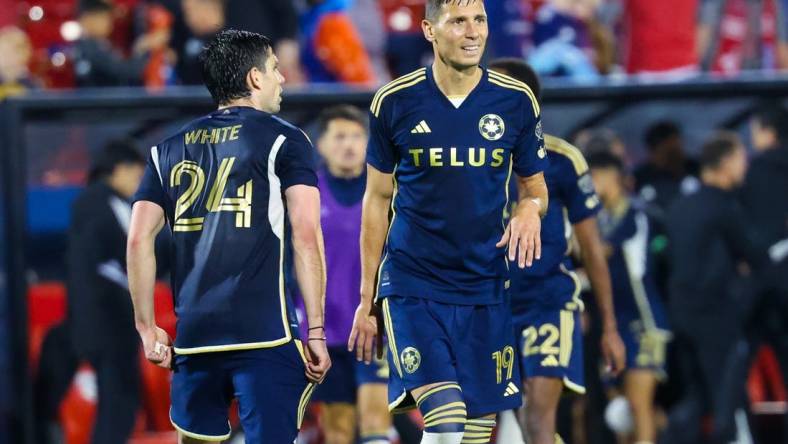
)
(445, 100)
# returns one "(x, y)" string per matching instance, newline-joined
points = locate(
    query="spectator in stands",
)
(332, 49)
(201, 20)
(367, 17)
(406, 47)
(667, 172)
(275, 19)
(16, 52)
(565, 35)
(709, 237)
(740, 35)
(659, 36)
(97, 63)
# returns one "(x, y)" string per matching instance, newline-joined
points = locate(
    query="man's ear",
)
(254, 79)
(429, 31)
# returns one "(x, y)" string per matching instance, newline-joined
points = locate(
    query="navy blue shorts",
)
(432, 342)
(347, 374)
(551, 345)
(645, 347)
(269, 383)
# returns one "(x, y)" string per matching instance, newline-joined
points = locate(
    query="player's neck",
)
(718, 180)
(345, 173)
(244, 101)
(454, 82)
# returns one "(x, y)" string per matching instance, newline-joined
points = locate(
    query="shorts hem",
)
(232, 347)
(188, 434)
(577, 388)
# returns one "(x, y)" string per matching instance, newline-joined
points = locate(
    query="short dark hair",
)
(344, 112)
(227, 59)
(115, 152)
(774, 117)
(659, 133)
(521, 71)
(717, 148)
(93, 6)
(433, 7)
(604, 159)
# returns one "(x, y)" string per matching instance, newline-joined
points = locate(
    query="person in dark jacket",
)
(710, 242)
(99, 325)
(96, 62)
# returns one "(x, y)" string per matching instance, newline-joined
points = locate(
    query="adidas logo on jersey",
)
(511, 389)
(550, 361)
(421, 128)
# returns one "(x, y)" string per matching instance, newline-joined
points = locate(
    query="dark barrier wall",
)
(48, 137)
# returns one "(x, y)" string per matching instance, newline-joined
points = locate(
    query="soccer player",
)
(641, 316)
(545, 298)
(225, 184)
(444, 142)
(342, 179)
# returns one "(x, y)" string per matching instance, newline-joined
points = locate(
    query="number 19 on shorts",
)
(504, 363)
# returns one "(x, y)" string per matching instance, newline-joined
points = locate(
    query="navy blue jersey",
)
(572, 199)
(220, 181)
(451, 166)
(628, 232)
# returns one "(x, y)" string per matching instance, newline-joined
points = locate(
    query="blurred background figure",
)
(709, 236)
(200, 21)
(406, 48)
(97, 62)
(667, 172)
(743, 35)
(99, 326)
(641, 316)
(16, 51)
(332, 49)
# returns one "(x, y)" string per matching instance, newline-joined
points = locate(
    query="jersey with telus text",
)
(221, 182)
(451, 167)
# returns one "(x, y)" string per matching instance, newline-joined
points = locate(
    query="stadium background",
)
(615, 64)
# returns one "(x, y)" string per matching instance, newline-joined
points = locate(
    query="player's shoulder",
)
(405, 85)
(509, 86)
(565, 154)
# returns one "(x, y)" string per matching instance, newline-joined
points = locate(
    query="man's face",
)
(735, 165)
(459, 33)
(269, 94)
(344, 145)
(762, 137)
(608, 183)
(126, 178)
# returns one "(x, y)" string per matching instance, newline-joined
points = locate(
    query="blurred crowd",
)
(89, 43)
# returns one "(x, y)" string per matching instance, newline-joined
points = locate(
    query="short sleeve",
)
(381, 153)
(581, 199)
(151, 188)
(295, 163)
(530, 155)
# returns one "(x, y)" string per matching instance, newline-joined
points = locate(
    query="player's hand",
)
(158, 346)
(364, 332)
(317, 360)
(522, 236)
(613, 352)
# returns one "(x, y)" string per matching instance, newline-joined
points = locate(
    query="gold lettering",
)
(192, 136)
(215, 135)
(497, 155)
(454, 162)
(473, 160)
(206, 136)
(416, 153)
(225, 130)
(234, 132)
(435, 157)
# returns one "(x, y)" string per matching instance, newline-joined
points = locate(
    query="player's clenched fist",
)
(157, 345)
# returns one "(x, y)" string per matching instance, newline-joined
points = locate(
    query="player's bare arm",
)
(374, 224)
(594, 260)
(147, 219)
(303, 207)
(522, 235)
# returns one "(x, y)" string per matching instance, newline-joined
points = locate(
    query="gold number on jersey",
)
(216, 202)
(504, 359)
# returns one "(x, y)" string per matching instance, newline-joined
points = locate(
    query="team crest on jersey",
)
(538, 131)
(492, 127)
(411, 359)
